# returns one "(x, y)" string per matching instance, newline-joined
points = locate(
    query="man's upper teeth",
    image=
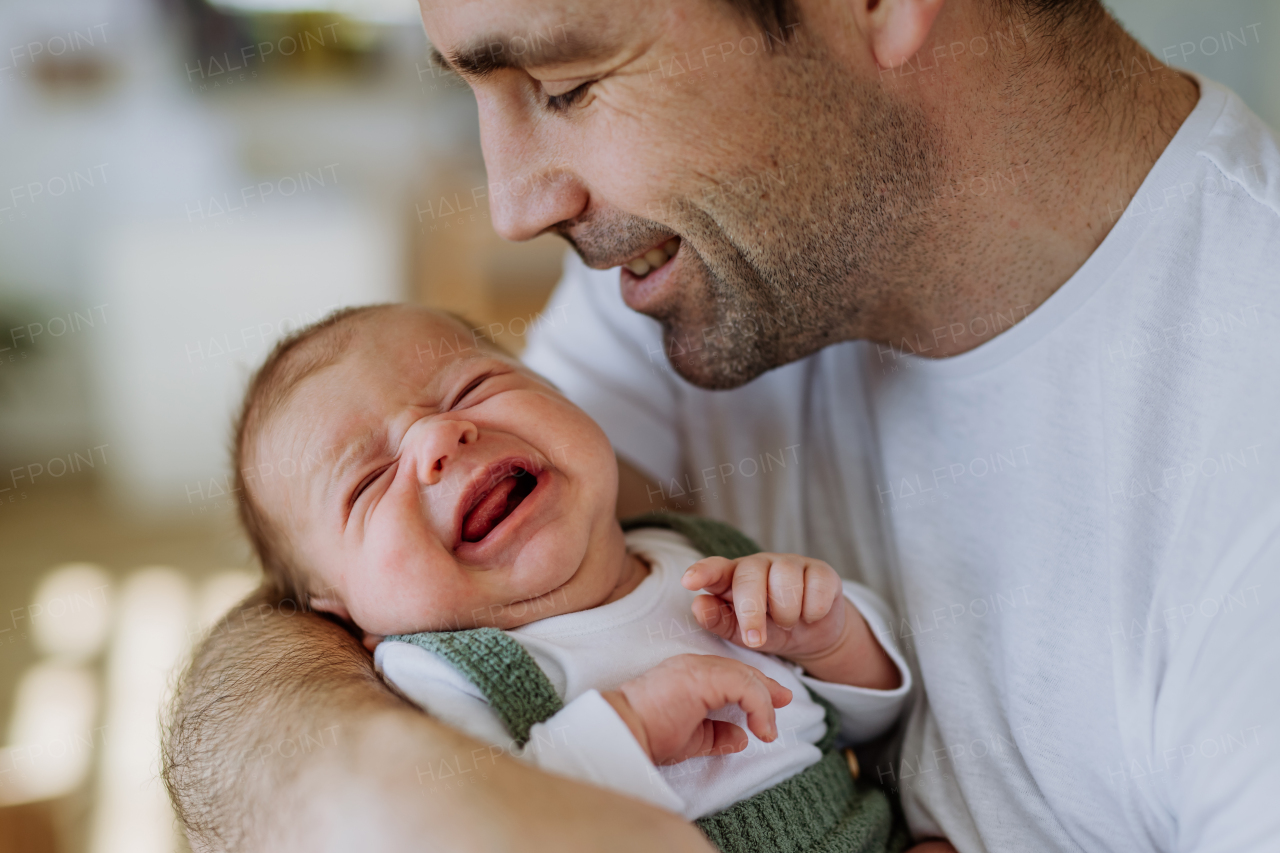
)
(654, 258)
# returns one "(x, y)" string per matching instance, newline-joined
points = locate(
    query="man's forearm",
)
(282, 737)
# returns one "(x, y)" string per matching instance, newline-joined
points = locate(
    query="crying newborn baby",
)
(459, 512)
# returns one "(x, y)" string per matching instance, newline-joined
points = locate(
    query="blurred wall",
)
(181, 186)
(1232, 42)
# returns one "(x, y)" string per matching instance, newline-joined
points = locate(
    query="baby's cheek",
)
(408, 585)
(570, 435)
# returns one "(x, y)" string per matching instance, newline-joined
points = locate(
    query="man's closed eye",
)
(563, 101)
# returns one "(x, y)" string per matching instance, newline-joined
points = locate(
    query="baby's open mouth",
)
(495, 504)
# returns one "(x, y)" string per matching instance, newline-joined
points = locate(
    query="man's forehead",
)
(478, 37)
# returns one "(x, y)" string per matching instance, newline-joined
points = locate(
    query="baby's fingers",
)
(786, 590)
(751, 598)
(822, 588)
(714, 574)
(726, 738)
(712, 737)
(716, 615)
(757, 696)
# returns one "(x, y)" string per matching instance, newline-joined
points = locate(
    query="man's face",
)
(756, 193)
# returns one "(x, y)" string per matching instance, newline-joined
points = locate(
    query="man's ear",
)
(896, 29)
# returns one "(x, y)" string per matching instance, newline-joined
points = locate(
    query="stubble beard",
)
(821, 256)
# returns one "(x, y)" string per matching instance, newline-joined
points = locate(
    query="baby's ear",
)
(329, 603)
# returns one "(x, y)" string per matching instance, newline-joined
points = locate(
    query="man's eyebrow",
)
(438, 60)
(554, 46)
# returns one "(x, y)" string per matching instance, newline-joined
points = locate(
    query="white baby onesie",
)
(592, 650)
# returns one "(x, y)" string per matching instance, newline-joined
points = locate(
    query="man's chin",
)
(700, 340)
(708, 366)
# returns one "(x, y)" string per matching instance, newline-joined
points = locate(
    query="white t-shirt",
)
(1078, 522)
(598, 649)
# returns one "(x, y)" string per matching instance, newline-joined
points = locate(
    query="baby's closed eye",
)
(366, 483)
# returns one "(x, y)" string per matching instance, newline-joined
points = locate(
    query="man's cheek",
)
(632, 169)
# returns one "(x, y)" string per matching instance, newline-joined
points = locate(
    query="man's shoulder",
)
(1245, 151)
(1200, 282)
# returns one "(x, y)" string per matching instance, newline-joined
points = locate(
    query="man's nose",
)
(531, 188)
(440, 441)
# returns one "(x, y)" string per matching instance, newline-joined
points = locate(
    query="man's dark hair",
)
(773, 15)
(1050, 17)
(779, 16)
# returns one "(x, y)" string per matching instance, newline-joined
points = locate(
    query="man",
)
(995, 293)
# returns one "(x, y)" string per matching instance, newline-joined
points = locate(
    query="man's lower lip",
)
(641, 293)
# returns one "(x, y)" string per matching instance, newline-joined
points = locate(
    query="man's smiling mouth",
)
(654, 258)
(493, 505)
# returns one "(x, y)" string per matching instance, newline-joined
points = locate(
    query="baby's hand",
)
(783, 604)
(794, 607)
(666, 708)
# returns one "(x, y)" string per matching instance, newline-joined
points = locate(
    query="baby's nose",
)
(441, 445)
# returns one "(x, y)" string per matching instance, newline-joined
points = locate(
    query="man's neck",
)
(1052, 154)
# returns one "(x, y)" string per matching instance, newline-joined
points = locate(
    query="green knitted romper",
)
(822, 809)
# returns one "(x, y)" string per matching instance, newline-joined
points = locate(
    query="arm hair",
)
(282, 737)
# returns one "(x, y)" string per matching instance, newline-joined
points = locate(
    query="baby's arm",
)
(611, 740)
(585, 740)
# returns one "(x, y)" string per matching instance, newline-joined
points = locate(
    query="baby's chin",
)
(528, 594)
(555, 599)
(565, 598)
(542, 597)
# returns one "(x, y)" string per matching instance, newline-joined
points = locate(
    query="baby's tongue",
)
(491, 510)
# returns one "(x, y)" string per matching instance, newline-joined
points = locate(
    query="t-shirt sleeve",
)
(609, 360)
(1217, 733)
(866, 714)
(586, 740)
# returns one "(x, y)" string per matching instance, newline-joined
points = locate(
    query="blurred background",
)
(181, 183)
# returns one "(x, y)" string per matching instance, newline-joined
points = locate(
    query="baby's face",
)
(443, 491)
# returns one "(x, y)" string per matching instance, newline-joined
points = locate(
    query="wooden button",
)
(853, 763)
